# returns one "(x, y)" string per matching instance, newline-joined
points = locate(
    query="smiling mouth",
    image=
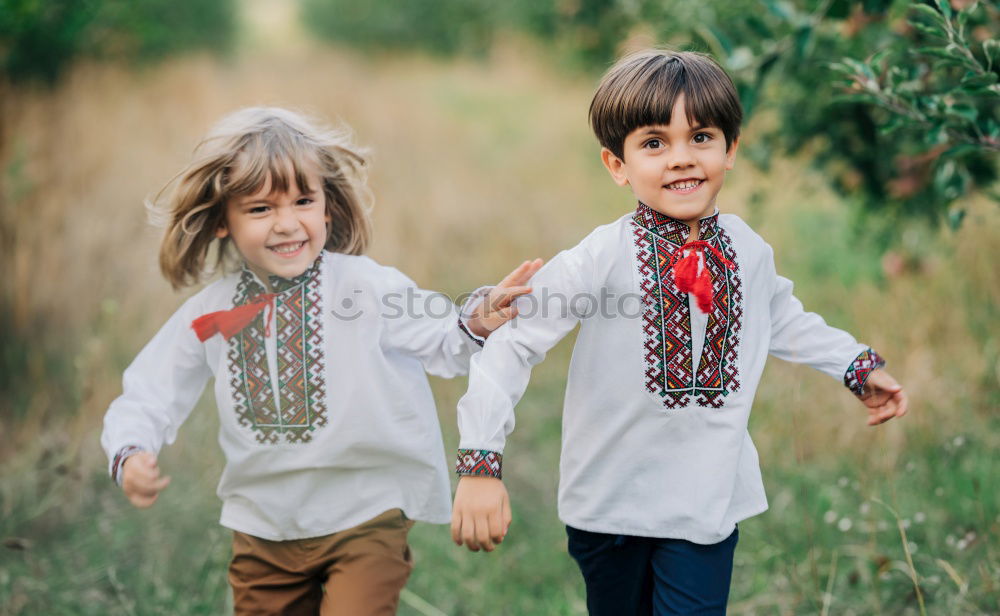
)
(288, 249)
(684, 185)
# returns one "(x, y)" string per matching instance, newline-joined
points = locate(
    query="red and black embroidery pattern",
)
(666, 319)
(292, 409)
(479, 462)
(862, 366)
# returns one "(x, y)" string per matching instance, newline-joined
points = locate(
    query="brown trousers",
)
(354, 572)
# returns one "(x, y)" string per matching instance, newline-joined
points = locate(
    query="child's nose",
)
(680, 157)
(286, 220)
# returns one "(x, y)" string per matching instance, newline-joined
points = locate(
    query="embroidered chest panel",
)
(666, 319)
(291, 409)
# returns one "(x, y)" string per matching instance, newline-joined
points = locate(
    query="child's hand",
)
(884, 398)
(496, 309)
(481, 514)
(141, 479)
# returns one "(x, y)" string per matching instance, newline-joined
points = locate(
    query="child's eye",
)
(702, 138)
(258, 209)
(304, 201)
(653, 144)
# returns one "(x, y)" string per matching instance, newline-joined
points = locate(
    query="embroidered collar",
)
(671, 229)
(279, 284)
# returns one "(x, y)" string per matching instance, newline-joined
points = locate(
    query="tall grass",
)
(477, 166)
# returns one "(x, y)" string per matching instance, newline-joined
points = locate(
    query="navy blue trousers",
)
(628, 575)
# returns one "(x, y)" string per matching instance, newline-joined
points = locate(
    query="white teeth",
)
(287, 248)
(684, 185)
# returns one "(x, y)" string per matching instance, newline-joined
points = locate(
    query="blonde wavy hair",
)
(240, 154)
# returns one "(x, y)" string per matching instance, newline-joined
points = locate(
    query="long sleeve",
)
(499, 375)
(804, 337)
(160, 388)
(429, 326)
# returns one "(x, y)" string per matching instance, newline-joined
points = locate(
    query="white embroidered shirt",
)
(654, 439)
(327, 418)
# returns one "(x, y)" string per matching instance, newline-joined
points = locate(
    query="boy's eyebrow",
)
(655, 130)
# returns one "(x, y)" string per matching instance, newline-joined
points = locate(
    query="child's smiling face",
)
(677, 169)
(279, 233)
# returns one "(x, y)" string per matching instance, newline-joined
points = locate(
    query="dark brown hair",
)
(641, 89)
(238, 157)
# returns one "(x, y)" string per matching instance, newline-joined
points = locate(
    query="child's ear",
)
(731, 154)
(222, 230)
(615, 166)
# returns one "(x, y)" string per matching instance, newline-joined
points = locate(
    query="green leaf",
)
(894, 124)
(896, 77)
(759, 27)
(955, 218)
(930, 30)
(979, 81)
(927, 11)
(967, 112)
(780, 9)
(879, 57)
(720, 36)
(991, 91)
(855, 98)
(803, 37)
(943, 54)
(945, 7)
(963, 19)
(991, 49)
(960, 150)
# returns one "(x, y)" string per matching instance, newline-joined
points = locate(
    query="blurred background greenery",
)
(869, 162)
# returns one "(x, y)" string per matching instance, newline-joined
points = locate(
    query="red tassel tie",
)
(231, 322)
(686, 275)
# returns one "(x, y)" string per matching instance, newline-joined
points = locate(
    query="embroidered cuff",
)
(468, 307)
(479, 462)
(465, 328)
(857, 373)
(116, 464)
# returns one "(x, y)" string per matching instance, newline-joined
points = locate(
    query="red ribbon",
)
(686, 275)
(231, 322)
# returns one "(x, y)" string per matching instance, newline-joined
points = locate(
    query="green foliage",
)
(913, 129)
(38, 39)
(440, 26)
(942, 98)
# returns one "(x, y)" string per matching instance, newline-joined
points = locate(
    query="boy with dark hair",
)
(657, 466)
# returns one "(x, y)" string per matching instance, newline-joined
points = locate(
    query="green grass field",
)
(476, 166)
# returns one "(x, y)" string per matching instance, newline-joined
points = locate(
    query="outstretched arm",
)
(498, 377)
(804, 337)
(160, 388)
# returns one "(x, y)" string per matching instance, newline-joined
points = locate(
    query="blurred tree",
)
(942, 96)
(901, 115)
(38, 38)
(895, 100)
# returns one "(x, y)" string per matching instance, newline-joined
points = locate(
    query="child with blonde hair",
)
(319, 355)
